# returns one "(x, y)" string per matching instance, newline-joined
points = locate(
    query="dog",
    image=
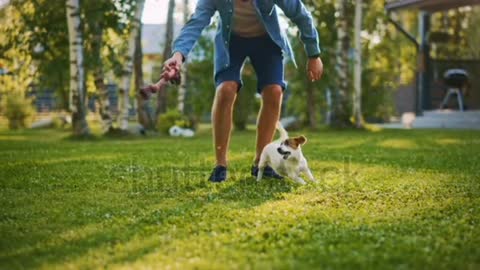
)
(285, 157)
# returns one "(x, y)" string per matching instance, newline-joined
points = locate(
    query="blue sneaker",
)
(219, 174)
(267, 172)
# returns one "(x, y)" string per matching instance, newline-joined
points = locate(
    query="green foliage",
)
(38, 29)
(172, 118)
(324, 12)
(246, 104)
(408, 199)
(17, 109)
(455, 34)
(389, 59)
(201, 87)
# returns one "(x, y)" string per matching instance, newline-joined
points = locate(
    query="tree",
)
(357, 97)
(341, 112)
(127, 72)
(144, 116)
(455, 33)
(306, 99)
(245, 101)
(167, 50)
(39, 30)
(77, 72)
(198, 102)
(97, 21)
(15, 75)
(182, 90)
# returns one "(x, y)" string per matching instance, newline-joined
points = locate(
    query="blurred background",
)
(391, 63)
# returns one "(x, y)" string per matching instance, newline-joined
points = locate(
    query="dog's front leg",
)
(260, 173)
(262, 163)
(297, 179)
(309, 174)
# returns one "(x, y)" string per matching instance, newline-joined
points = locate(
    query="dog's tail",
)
(282, 131)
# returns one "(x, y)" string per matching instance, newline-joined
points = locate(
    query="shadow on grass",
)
(182, 209)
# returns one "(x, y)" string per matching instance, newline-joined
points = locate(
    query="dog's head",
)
(291, 147)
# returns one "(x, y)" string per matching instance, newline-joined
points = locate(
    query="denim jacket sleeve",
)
(296, 11)
(194, 27)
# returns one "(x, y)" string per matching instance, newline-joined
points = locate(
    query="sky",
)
(156, 11)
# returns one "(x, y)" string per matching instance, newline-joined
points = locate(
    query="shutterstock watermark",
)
(139, 176)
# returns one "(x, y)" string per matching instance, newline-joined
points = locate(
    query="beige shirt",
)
(245, 20)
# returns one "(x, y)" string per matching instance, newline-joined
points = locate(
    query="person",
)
(248, 28)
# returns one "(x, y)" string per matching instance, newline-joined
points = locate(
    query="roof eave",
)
(431, 6)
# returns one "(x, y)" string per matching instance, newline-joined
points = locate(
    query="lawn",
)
(387, 199)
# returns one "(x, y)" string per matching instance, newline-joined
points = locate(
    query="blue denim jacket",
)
(293, 9)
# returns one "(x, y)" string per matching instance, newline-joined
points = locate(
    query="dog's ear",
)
(300, 140)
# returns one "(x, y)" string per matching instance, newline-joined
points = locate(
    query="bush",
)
(18, 110)
(171, 118)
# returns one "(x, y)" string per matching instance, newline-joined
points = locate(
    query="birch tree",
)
(101, 89)
(77, 94)
(162, 95)
(182, 90)
(341, 113)
(127, 72)
(357, 76)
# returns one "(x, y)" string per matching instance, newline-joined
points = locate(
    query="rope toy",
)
(171, 74)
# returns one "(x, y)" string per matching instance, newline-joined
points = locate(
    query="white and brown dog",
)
(285, 157)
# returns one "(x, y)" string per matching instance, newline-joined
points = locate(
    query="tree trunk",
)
(143, 109)
(101, 89)
(162, 95)
(341, 115)
(127, 73)
(77, 73)
(182, 90)
(357, 97)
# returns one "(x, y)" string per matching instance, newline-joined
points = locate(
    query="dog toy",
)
(177, 131)
(170, 74)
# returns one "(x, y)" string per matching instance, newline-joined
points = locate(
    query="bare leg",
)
(222, 112)
(268, 117)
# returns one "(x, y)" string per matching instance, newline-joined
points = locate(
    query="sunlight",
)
(155, 11)
(398, 144)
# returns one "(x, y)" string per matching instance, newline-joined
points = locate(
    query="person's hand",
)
(314, 69)
(176, 61)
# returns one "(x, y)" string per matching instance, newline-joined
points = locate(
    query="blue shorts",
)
(266, 58)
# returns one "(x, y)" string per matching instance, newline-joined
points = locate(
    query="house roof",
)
(429, 5)
(153, 37)
(4, 3)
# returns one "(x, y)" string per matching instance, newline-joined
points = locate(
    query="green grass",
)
(388, 199)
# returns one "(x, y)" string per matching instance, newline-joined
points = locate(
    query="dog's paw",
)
(301, 181)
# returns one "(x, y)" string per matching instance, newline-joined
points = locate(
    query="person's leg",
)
(228, 82)
(268, 117)
(222, 111)
(267, 60)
